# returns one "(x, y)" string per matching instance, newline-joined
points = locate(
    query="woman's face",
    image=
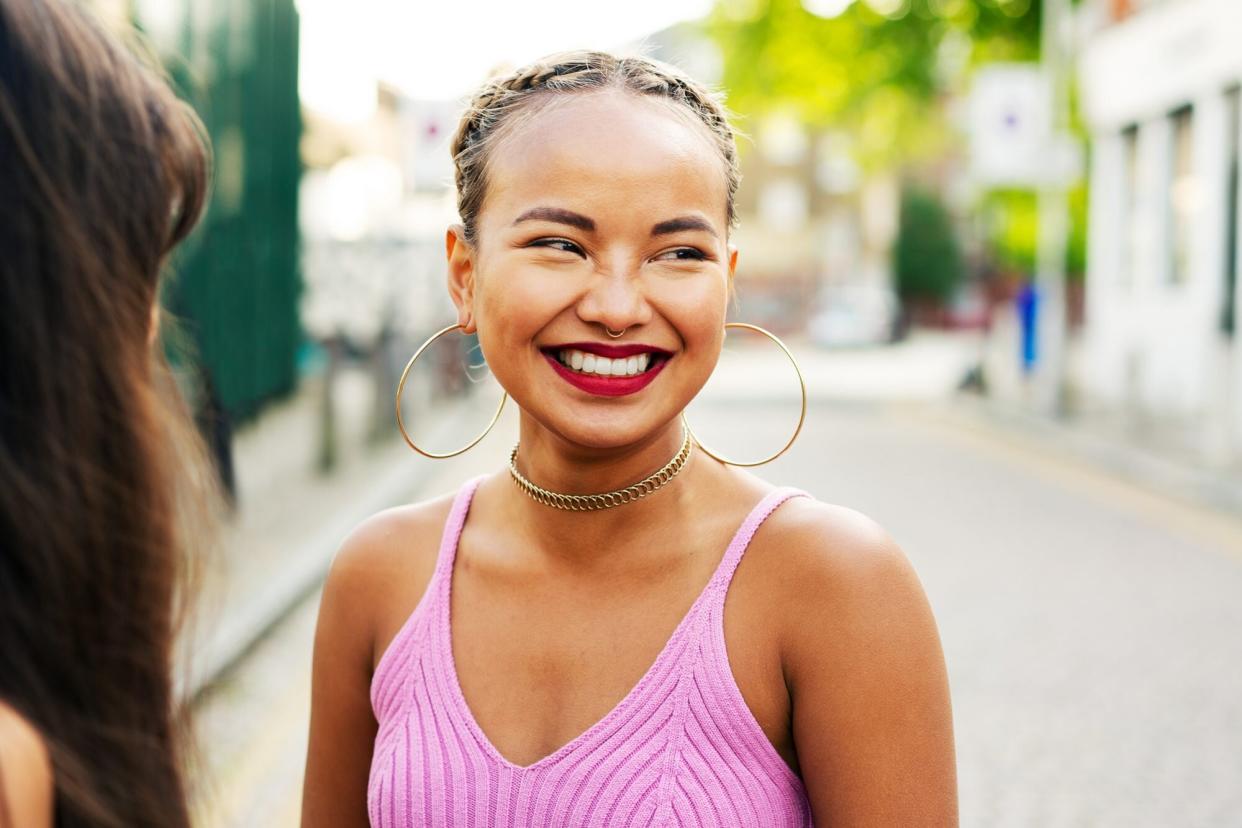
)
(603, 210)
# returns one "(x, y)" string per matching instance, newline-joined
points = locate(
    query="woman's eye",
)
(682, 254)
(563, 245)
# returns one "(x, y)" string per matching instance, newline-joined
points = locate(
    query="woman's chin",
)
(607, 430)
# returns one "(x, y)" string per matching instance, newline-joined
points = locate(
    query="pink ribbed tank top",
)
(681, 749)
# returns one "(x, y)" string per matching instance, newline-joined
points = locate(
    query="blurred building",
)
(377, 197)
(1160, 84)
(815, 232)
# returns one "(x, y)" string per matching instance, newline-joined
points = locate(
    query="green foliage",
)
(881, 76)
(1076, 244)
(927, 259)
(884, 78)
(1011, 230)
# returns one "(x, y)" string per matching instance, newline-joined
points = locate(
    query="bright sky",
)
(440, 49)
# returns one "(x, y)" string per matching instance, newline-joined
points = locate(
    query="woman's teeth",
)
(585, 363)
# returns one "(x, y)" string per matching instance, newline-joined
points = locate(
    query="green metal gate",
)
(236, 282)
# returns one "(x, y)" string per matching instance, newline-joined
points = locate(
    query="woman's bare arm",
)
(375, 582)
(26, 787)
(871, 715)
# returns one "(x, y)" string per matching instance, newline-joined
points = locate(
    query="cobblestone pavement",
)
(1092, 629)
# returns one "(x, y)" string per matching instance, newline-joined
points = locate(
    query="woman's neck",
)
(553, 463)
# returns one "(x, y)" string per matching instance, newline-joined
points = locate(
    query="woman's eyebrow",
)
(676, 225)
(558, 215)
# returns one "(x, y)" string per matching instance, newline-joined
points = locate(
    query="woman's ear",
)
(732, 271)
(461, 275)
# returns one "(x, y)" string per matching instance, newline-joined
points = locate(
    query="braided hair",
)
(493, 106)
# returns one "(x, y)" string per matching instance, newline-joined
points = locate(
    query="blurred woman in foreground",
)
(102, 172)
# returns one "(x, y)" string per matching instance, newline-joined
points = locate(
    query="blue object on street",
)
(1028, 317)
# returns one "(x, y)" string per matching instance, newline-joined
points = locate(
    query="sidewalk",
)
(927, 370)
(1095, 441)
(928, 365)
(1166, 455)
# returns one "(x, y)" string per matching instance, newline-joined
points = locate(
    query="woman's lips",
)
(607, 369)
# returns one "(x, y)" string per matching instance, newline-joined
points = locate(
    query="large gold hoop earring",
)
(801, 414)
(401, 387)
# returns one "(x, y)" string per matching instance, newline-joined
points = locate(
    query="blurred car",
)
(851, 316)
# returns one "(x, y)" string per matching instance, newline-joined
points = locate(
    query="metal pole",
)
(1053, 221)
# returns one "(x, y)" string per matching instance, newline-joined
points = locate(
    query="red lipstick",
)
(608, 386)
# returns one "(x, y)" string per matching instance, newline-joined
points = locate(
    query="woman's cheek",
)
(511, 316)
(700, 314)
(495, 327)
(528, 297)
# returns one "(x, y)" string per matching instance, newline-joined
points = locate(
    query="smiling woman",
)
(635, 633)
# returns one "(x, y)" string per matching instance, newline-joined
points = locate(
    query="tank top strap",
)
(441, 577)
(391, 673)
(741, 539)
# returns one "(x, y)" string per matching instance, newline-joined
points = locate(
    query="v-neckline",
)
(666, 652)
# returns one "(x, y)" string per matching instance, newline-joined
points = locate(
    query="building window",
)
(1183, 196)
(1130, 230)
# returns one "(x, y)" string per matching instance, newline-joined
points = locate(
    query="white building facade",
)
(1160, 83)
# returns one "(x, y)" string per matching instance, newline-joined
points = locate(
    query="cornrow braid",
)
(493, 106)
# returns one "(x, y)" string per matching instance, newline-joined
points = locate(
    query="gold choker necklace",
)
(604, 500)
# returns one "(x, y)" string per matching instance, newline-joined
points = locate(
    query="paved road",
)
(1092, 629)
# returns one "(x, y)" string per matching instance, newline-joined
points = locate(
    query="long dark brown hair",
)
(102, 171)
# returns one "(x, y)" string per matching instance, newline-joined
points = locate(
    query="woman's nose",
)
(616, 301)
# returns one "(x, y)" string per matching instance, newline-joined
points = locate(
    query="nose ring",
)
(615, 334)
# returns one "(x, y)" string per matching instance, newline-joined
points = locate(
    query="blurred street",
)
(1090, 626)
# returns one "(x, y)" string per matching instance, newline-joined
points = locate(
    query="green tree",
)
(927, 260)
(882, 76)
(882, 70)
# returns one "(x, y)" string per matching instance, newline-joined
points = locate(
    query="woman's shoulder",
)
(826, 564)
(862, 662)
(395, 539)
(26, 786)
(820, 539)
(381, 570)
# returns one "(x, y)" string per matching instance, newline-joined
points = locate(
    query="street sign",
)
(1010, 128)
